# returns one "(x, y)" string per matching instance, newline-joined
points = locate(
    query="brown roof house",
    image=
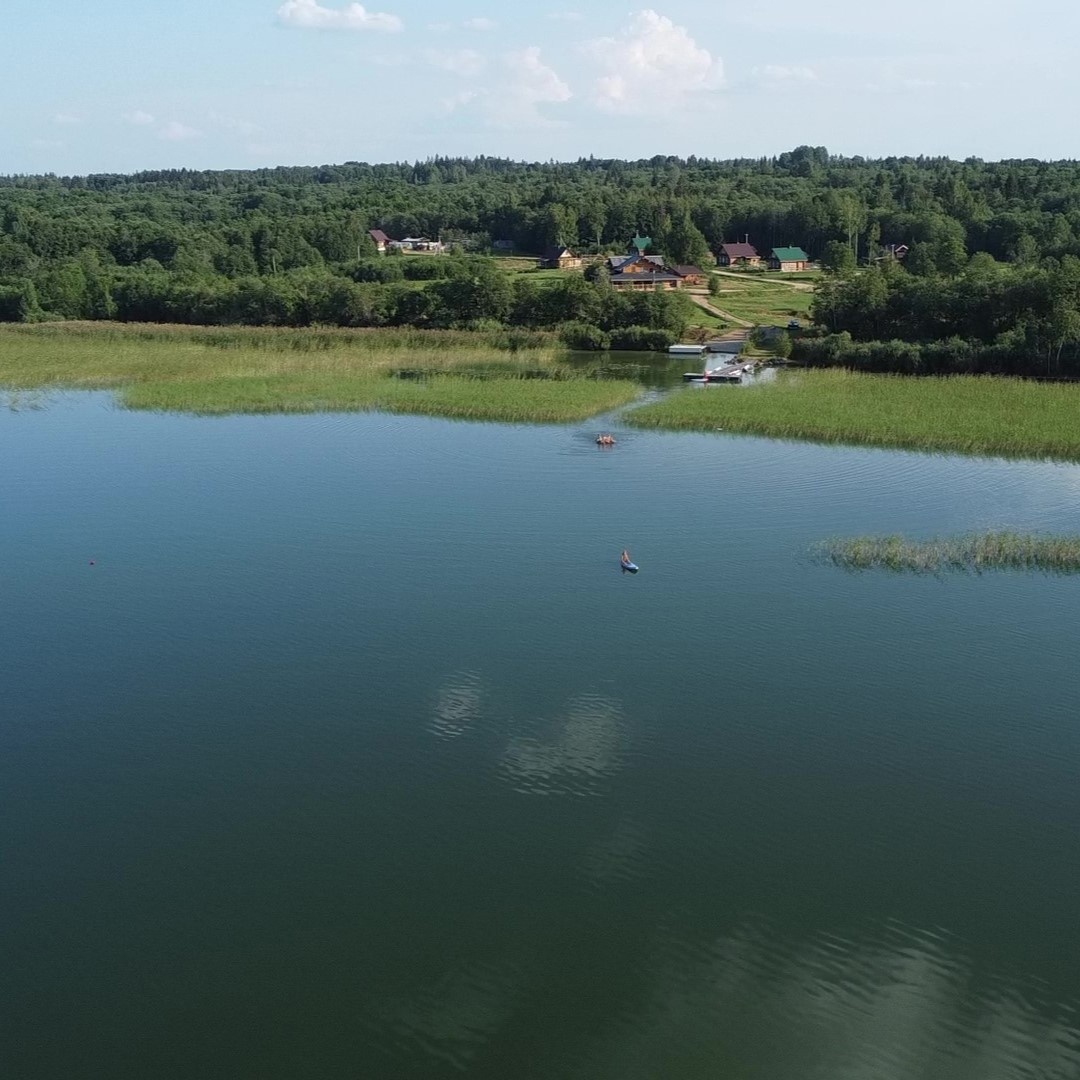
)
(691, 275)
(560, 258)
(744, 254)
(380, 240)
(640, 272)
(789, 259)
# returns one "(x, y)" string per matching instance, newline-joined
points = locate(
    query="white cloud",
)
(174, 131)
(139, 118)
(651, 64)
(529, 84)
(66, 119)
(479, 24)
(780, 73)
(464, 62)
(229, 123)
(460, 100)
(311, 15)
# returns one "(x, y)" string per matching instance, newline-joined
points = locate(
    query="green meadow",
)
(502, 375)
(758, 299)
(963, 414)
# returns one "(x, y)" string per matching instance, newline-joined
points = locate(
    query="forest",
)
(990, 261)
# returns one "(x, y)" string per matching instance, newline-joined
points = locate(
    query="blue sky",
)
(120, 85)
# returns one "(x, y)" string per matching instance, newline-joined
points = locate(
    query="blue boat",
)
(627, 564)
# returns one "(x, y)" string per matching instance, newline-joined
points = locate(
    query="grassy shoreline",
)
(959, 414)
(507, 376)
(969, 553)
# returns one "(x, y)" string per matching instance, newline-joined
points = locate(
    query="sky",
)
(122, 85)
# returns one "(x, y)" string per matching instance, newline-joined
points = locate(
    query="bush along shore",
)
(969, 553)
(494, 375)
(961, 414)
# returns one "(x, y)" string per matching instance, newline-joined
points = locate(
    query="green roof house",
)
(640, 243)
(789, 258)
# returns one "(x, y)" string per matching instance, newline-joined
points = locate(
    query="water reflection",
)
(573, 756)
(457, 706)
(622, 855)
(452, 1019)
(893, 1007)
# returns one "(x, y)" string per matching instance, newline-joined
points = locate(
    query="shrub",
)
(641, 339)
(584, 337)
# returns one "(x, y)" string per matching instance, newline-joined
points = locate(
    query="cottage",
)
(742, 255)
(381, 241)
(691, 275)
(641, 272)
(418, 243)
(560, 258)
(789, 259)
(503, 247)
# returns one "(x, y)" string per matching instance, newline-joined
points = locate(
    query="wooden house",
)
(642, 272)
(744, 255)
(691, 275)
(560, 258)
(789, 259)
(381, 241)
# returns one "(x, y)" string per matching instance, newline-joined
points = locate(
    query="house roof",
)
(560, 251)
(790, 255)
(619, 262)
(689, 271)
(641, 242)
(740, 251)
(378, 236)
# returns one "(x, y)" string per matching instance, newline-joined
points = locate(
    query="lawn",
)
(761, 301)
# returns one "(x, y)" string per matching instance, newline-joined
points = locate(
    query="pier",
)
(728, 372)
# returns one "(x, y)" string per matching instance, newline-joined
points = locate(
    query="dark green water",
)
(353, 755)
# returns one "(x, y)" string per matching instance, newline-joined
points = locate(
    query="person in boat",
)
(625, 557)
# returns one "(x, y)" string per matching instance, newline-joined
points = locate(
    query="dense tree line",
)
(291, 244)
(1018, 319)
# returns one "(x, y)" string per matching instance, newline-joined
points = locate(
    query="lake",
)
(338, 747)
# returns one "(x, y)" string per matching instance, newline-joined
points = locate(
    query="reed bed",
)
(507, 399)
(962, 414)
(289, 339)
(968, 553)
(217, 370)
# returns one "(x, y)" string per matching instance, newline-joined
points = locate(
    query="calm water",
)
(353, 755)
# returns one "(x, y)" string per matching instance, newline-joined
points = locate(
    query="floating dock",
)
(726, 373)
(686, 350)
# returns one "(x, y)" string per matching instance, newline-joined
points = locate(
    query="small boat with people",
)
(628, 565)
(605, 440)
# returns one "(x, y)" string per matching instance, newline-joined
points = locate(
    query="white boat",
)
(686, 350)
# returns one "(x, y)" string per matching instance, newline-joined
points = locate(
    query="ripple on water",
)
(893, 1005)
(572, 755)
(457, 706)
(450, 1020)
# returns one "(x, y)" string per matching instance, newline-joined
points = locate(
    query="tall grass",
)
(235, 370)
(970, 553)
(453, 395)
(964, 414)
(289, 339)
